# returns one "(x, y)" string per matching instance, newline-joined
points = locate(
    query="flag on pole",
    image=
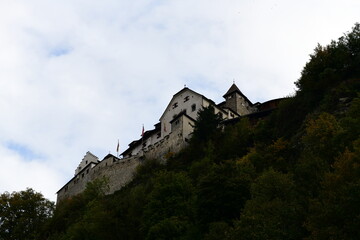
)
(143, 131)
(117, 148)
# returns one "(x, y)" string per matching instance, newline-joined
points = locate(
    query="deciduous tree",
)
(23, 214)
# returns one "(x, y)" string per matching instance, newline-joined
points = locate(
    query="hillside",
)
(293, 175)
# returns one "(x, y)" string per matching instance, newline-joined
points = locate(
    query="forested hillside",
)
(292, 175)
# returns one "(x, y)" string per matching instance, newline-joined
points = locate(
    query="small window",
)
(186, 98)
(86, 162)
(193, 107)
(175, 105)
(87, 171)
(158, 135)
(177, 122)
(82, 175)
(231, 114)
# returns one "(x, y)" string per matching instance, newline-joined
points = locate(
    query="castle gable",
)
(238, 102)
(187, 101)
(89, 158)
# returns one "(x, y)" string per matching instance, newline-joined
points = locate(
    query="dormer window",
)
(175, 105)
(186, 98)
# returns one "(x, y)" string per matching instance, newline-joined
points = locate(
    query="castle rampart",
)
(118, 171)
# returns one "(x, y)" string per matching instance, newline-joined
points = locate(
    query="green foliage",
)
(206, 125)
(170, 208)
(236, 140)
(332, 64)
(272, 212)
(277, 155)
(96, 189)
(224, 190)
(172, 195)
(333, 214)
(148, 169)
(170, 228)
(23, 215)
(320, 148)
(217, 230)
(320, 137)
(351, 122)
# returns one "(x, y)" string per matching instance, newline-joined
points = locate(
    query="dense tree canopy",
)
(23, 215)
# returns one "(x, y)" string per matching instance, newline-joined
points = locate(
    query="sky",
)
(79, 75)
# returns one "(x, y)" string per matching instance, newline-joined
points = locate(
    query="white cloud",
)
(77, 75)
(17, 174)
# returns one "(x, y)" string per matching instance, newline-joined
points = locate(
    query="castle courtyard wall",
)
(119, 173)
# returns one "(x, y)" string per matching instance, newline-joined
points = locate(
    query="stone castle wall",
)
(170, 144)
(120, 172)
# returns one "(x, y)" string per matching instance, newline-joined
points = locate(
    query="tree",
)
(236, 140)
(206, 125)
(223, 191)
(330, 65)
(335, 213)
(170, 208)
(320, 148)
(84, 216)
(273, 211)
(23, 214)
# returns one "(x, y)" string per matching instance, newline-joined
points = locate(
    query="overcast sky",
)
(77, 75)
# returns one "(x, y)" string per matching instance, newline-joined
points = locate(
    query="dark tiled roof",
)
(233, 89)
(109, 156)
(274, 103)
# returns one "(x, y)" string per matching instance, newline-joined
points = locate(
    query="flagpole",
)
(142, 138)
(117, 149)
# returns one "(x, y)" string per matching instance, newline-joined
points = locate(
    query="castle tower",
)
(237, 101)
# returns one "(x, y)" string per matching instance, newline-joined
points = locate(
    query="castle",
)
(170, 135)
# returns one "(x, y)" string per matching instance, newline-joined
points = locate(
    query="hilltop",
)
(292, 175)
